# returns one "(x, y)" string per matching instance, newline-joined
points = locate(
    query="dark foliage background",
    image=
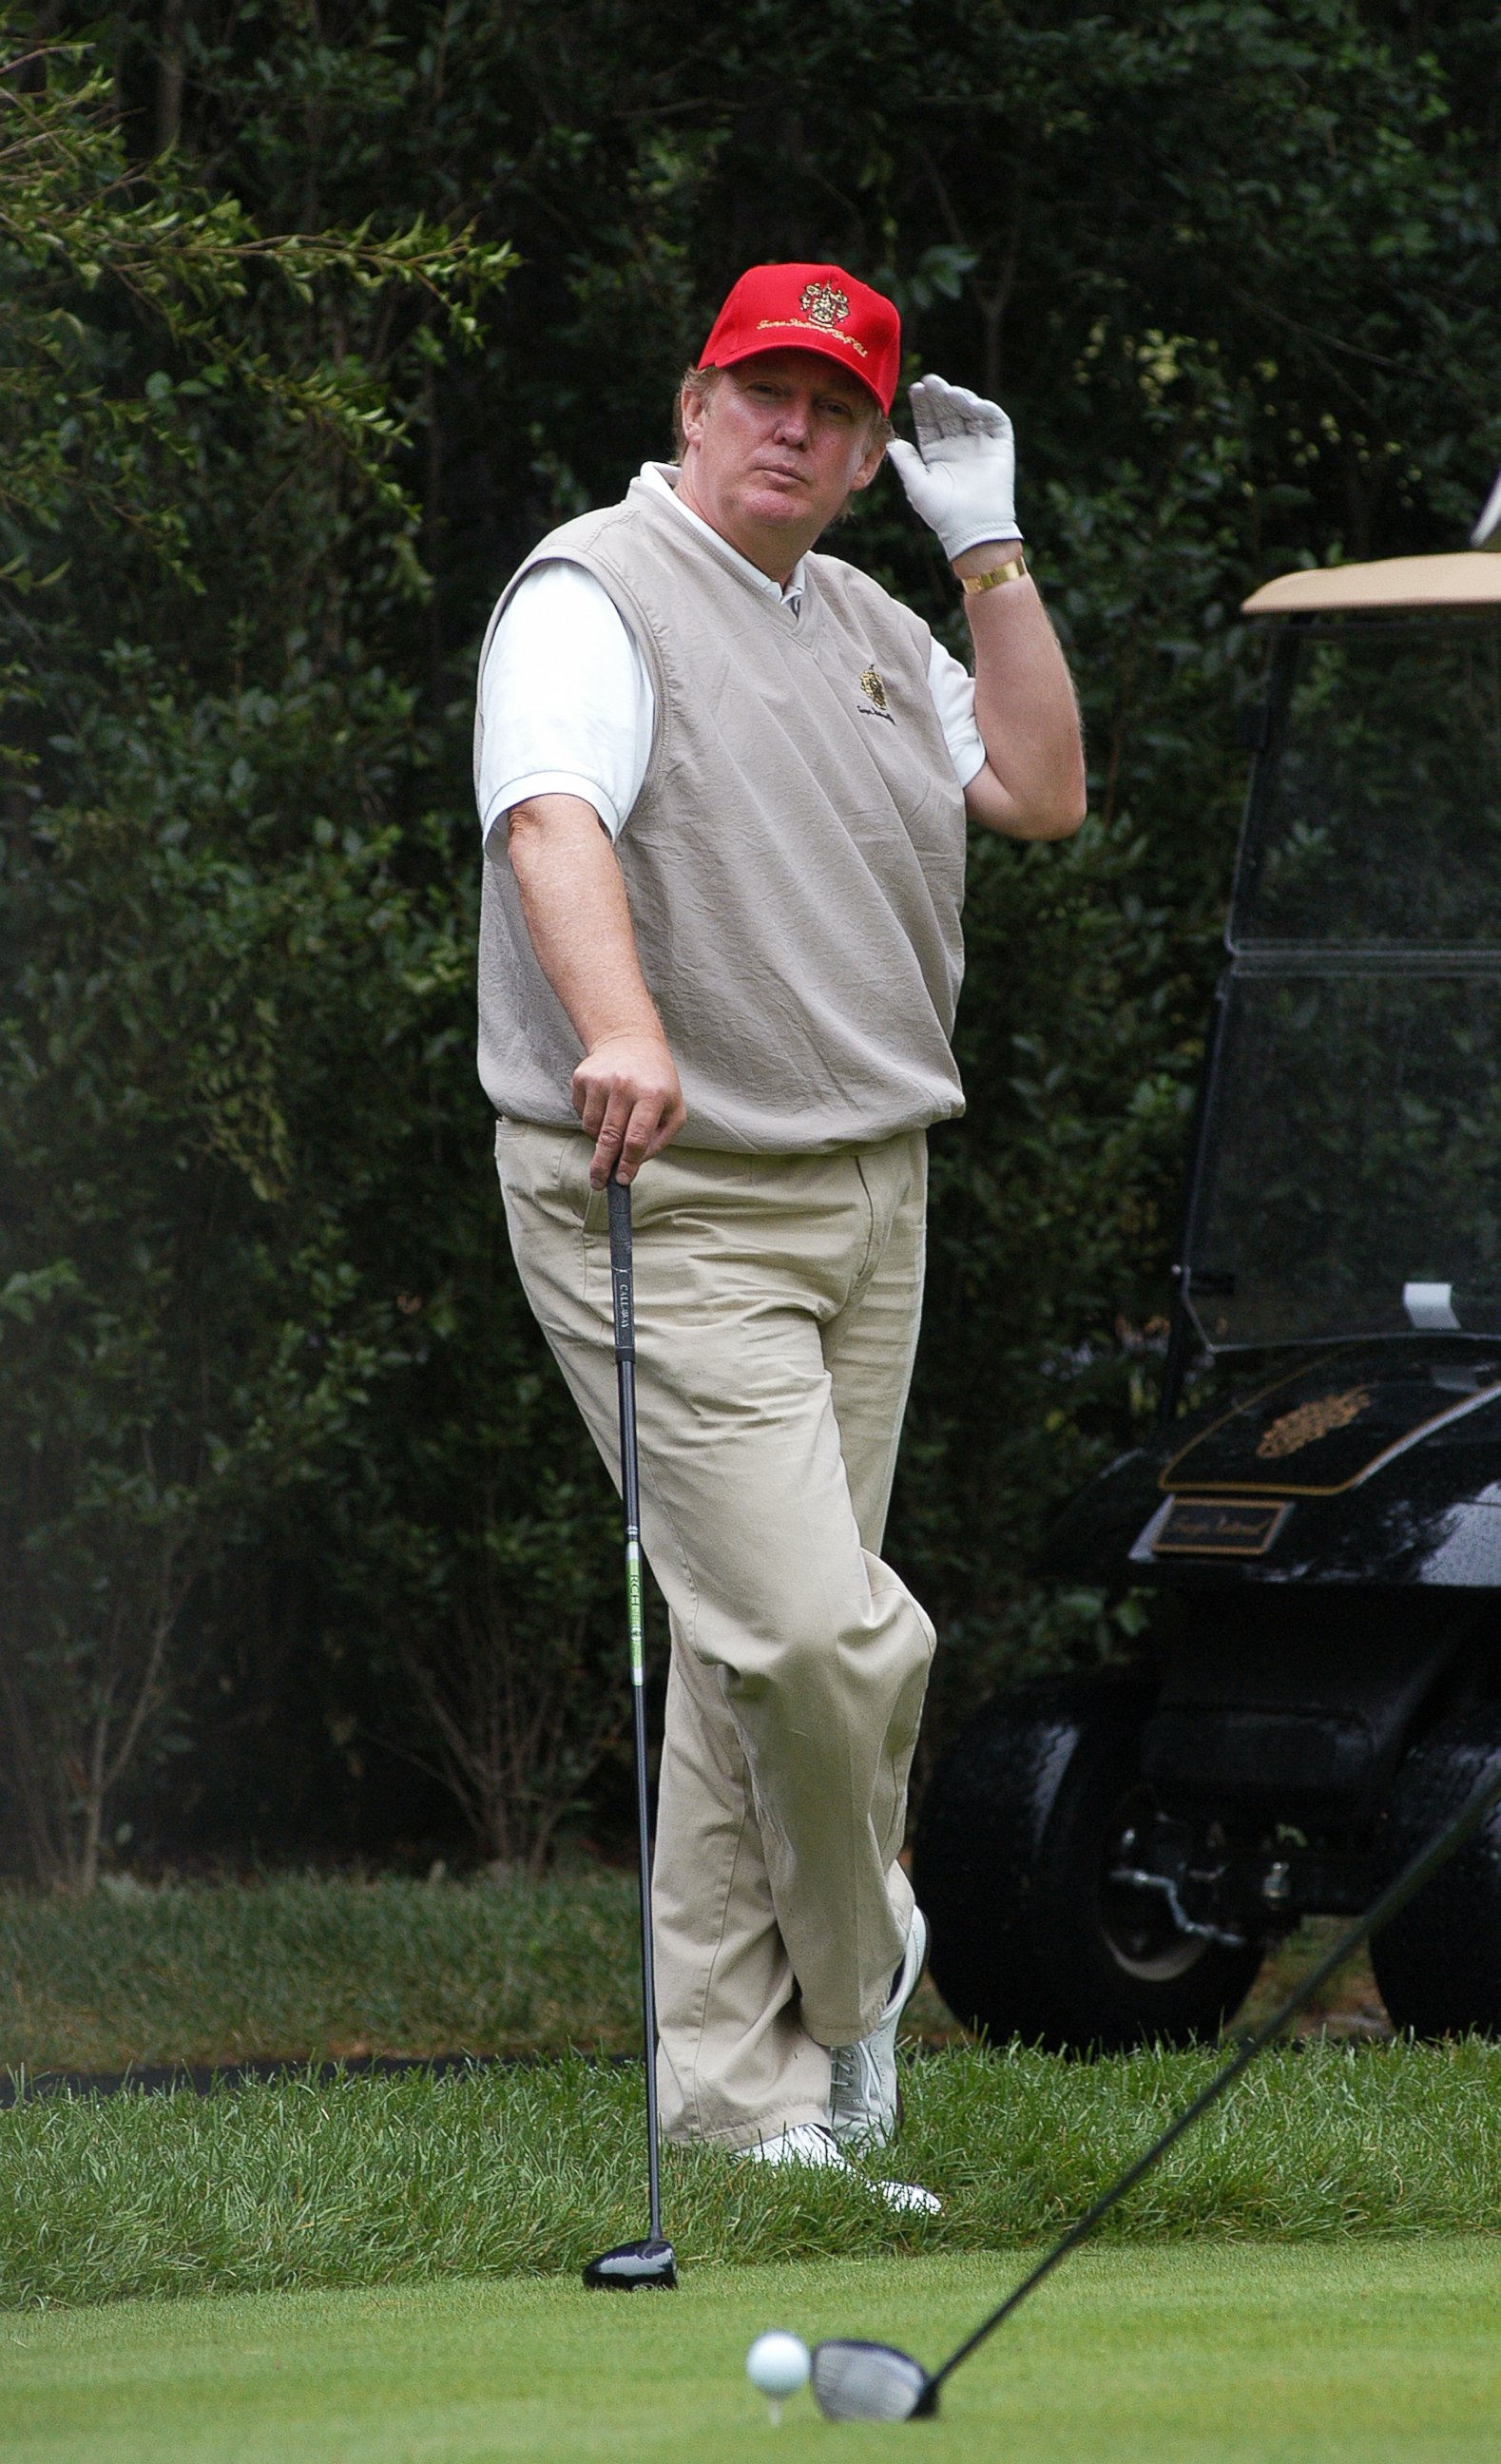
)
(293, 1511)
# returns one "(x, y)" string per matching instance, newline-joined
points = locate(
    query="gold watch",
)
(1014, 571)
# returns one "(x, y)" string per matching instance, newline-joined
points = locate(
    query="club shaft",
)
(621, 1282)
(1409, 1883)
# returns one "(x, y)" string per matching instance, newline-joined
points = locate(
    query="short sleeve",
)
(566, 702)
(953, 691)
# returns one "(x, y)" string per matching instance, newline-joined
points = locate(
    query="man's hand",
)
(573, 897)
(627, 1096)
(961, 476)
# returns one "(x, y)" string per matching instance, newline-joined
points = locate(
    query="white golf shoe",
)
(813, 2143)
(865, 2101)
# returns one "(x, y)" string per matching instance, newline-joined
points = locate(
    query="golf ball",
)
(778, 2363)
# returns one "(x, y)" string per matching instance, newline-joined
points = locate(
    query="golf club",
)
(858, 2381)
(650, 2262)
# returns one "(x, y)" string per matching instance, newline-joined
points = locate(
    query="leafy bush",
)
(274, 438)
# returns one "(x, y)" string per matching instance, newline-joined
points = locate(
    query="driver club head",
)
(634, 2264)
(853, 2381)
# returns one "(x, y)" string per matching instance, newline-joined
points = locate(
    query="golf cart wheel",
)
(1438, 1963)
(1020, 1826)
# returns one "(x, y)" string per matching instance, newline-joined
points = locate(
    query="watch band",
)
(999, 573)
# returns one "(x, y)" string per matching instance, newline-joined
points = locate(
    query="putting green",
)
(1379, 2353)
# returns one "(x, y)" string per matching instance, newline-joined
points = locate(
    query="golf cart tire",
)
(1438, 1963)
(1017, 1832)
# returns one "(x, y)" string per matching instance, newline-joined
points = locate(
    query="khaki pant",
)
(777, 1306)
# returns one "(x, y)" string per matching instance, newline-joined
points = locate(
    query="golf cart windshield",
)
(1348, 1180)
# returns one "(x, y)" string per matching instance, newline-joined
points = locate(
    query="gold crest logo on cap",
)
(824, 304)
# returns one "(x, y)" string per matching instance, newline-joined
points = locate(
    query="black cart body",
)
(1319, 1536)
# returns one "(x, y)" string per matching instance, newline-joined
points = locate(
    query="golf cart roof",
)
(1468, 578)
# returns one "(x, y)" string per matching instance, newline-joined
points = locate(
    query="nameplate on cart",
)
(1218, 1527)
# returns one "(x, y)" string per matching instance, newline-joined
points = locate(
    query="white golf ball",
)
(778, 2363)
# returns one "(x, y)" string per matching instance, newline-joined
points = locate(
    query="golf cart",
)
(1105, 1862)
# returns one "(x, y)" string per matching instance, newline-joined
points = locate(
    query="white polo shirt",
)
(568, 705)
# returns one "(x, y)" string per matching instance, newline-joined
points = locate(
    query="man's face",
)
(773, 452)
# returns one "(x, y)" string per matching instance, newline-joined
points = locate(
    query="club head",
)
(859, 2382)
(634, 2264)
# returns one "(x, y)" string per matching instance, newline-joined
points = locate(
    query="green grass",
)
(1376, 2354)
(317, 1968)
(322, 1967)
(300, 2183)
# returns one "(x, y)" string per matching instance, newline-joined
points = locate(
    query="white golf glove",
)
(961, 476)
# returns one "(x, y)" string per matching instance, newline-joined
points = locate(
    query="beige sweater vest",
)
(794, 862)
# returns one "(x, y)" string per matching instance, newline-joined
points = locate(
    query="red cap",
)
(810, 308)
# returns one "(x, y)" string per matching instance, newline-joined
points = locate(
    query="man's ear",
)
(870, 464)
(691, 412)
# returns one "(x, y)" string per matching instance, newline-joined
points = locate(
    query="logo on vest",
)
(824, 304)
(875, 704)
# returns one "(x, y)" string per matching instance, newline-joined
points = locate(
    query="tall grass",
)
(303, 2182)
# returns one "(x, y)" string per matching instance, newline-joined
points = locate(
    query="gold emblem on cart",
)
(875, 704)
(824, 304)
(1298, 1429)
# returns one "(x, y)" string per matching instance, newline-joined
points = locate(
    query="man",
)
(724, 784)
